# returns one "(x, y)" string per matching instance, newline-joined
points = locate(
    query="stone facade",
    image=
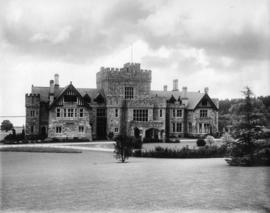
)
(123, 103)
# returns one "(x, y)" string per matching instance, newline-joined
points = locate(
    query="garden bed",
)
(39, 149)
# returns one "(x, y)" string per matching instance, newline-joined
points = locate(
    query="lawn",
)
(94, 181)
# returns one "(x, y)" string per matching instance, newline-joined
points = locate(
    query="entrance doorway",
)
(101, 123)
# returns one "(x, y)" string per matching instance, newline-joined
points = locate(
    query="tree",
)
(123, 147)
(6, 125)
(246, 132)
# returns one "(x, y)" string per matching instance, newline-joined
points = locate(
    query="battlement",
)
(130, 71)
(32, 95)
(32, 100)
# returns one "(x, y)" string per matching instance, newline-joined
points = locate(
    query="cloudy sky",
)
(223, 44)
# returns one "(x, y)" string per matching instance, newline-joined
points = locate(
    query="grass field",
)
(94, 181)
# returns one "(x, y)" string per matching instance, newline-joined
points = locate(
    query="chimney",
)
(184, 90)
(51, 91)
(165, 88)
(56, 83)
(56, 79)
(206, 90)
(175, 85)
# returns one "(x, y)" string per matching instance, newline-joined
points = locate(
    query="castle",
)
(122, 103)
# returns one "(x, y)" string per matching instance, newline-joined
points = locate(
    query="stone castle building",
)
(122, 103)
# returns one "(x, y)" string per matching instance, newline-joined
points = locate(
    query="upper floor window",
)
(129, 93)
(32, 113)
(179, 113)
(203, 113)
(116, 112)
(160, 113)
(81, 112)
(70, 112)
(204, 102)
(101, 112)
(173, 112)
(70, 98)
(116, 130)
(58, 112)
(140, 115)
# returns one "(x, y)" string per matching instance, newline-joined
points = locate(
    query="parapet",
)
(128, 71)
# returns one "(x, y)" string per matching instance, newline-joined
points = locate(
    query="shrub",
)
(110, 135)
(210, 140)
(201, 142)
(123, 147)
(185, 152)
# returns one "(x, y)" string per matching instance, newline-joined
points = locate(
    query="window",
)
(203, 113)
(81, 112)
(32, 129)
(58, 112)
(207, 128)
(70, 98)
(179, 127)
(140, 115)
(32, 113)
(116, 130)
(116, 112)
(58, 129)
(100, 112)
(65, 112)
(129, 93)
(190, 127)
(179, 113)
(81, 128)
(173, 112)
(75, 112)
(70, 113)
(204, 102)
(173, 127)
(160, 113)
(200, 128)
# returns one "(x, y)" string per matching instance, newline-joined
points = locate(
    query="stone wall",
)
(32, 107)
(70, 126)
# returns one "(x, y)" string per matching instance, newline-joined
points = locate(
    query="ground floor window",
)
(179, 127)
(190, 127)
(81, 128)
(32, 129)
(58, 129)
(116, 130)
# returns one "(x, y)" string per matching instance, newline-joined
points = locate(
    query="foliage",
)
(210, 140)
(201, 142)
(110, 135)
(246, 133)
(185, 152)
(40, 149)
(6, 125)
(123, 147)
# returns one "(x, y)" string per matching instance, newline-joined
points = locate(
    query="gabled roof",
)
(44, 92)
(193, 97)
(206, 96)
(63, 91)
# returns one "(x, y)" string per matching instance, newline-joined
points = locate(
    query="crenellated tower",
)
(32, 106)
(114, 80)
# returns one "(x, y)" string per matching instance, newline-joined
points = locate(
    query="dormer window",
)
(70, 98)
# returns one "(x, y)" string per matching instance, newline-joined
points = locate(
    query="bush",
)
(201, 142)
(209, 140)
(185, 152)
(123, 147)
(110, 135)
